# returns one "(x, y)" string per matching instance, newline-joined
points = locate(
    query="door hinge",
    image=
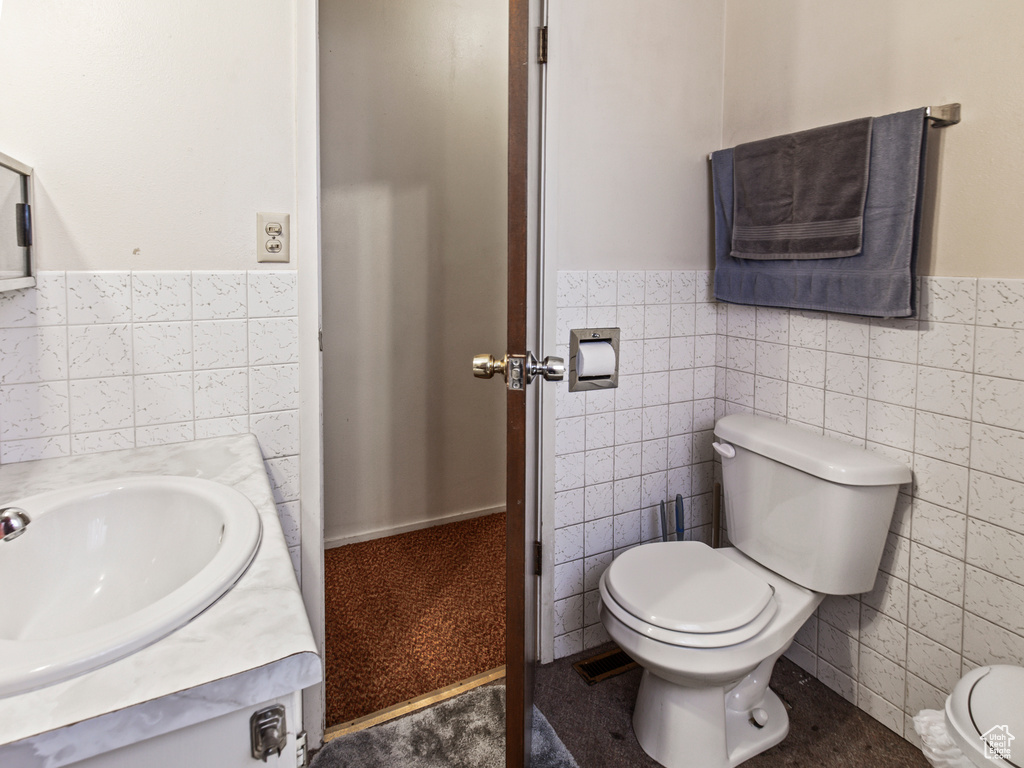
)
(301, 755)
(320, 338)
(542, 45)
(537, 562)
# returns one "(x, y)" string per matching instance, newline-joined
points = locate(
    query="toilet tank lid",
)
(824, 457)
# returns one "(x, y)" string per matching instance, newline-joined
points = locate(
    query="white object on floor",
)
(936, 743)
(808, 516)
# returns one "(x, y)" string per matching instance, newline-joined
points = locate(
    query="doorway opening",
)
(414, 157)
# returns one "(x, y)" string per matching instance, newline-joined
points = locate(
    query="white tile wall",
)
(98, 361)
(621, 452)
(943, 393)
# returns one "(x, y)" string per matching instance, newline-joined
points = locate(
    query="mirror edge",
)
(28, 280)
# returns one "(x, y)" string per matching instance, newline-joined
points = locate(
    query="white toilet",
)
(808, 516)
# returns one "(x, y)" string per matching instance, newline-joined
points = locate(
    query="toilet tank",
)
(809, 507)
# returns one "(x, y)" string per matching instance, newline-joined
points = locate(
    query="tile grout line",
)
(967, 501)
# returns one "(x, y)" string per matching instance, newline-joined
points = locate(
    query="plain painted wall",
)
(156, 129)
(413, 157)
(635, 105)
(797, 64)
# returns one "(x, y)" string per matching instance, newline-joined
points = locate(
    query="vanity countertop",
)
(252, 645)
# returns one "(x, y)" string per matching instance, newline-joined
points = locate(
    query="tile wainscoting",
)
(944, 393)
(620, 452)
(97, 361)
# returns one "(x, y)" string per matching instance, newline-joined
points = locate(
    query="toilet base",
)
(692, 727)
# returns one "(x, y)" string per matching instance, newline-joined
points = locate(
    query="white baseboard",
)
(380, 533)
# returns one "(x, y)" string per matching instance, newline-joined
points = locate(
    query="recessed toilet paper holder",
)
(584, 336)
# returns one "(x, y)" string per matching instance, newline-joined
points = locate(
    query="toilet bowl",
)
(985, 715)
(707, 627)
(807, 516)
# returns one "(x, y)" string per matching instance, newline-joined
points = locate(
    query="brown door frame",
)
(519, 649)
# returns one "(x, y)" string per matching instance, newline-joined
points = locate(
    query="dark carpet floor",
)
(412, 613)
(467, 731)
(595, 722)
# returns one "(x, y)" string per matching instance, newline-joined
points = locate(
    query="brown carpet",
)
(595, 722)
(412, 613)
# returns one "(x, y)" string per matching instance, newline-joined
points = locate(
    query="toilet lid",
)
(685, 586)
(988, 705)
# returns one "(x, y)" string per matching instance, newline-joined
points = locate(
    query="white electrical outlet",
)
(272, 237)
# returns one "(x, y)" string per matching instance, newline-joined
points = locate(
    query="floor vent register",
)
(604, 665)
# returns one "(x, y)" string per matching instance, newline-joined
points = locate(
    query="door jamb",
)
(307, 258)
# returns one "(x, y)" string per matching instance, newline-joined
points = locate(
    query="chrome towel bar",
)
(941, 116)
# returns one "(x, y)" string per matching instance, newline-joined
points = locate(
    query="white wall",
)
(634, 106)
(634, 101)
(413, 146)
(156, 130)
(797, 64)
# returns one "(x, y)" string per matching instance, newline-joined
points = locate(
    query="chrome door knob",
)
(516, 368)
(485, 366)
(551, 368)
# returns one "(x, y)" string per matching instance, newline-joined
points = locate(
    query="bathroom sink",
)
(106, 568)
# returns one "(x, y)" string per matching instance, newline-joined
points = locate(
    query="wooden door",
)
(521, 587)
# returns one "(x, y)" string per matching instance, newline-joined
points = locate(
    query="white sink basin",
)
(106, 568)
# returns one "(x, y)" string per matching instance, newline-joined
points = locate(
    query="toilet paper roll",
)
(595, 358)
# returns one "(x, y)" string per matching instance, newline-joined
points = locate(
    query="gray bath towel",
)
(879, 282)
(801, 196)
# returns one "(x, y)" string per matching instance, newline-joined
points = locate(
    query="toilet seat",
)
(685, 593)
(988, 700)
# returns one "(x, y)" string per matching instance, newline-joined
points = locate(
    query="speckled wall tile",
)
(220, 343)
(99, 350)
(33, 354)
(989, 643)
(162, 347)
(46, 304)
(163, 398)
(277, 432)
(1001, 303)
(101, 404)
(936, 619)
(272, 293)
(98, 297)
(944, 394)
(33, 410)
(948, 299)
(621, 452)
(161, 296)
(99, 361)
(273, 388)
(219, 295)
